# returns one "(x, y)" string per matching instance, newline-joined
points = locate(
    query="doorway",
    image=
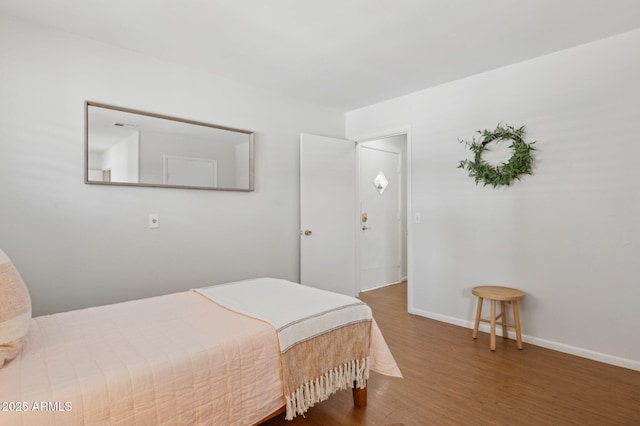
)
(382, 200)
(330, 216)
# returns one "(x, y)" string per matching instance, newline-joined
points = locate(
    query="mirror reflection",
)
(129, 147)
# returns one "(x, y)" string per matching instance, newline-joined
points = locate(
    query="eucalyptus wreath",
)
(519, 164)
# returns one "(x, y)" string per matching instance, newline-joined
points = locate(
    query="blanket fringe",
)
(321, 388)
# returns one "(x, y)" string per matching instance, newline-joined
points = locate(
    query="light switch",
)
(154, 220)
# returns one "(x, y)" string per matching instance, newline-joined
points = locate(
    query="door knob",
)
(307, 232)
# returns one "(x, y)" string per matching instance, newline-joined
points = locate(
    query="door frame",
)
(402, 130)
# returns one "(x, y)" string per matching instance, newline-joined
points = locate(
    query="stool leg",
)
(478, 312)
(516, 314)
(493, 325)
(503, 311)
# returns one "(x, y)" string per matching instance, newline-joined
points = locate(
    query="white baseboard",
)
(549, 344)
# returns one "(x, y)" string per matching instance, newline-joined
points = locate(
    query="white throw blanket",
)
(324, 336)
(297, 312)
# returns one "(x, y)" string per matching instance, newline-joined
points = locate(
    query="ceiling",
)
(109, 126)
(342, 54)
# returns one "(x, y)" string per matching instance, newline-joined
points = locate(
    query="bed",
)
(205, 356)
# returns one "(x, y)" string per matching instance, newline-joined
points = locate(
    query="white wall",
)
(79, 245)
(569, 235)
(94, 164)
(243, 168)
(123, 159)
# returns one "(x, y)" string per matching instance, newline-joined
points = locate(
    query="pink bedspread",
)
(175, 359)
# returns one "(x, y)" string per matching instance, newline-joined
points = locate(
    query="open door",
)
(327, 213)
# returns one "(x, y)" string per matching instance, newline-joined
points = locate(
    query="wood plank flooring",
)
(451, 379)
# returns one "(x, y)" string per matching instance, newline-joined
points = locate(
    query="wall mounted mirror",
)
(136, 148)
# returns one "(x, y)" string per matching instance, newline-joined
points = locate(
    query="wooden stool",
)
(502, 295)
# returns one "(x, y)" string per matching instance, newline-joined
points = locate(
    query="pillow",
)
(15, 310)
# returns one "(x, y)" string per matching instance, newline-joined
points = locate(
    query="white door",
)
(380, 218)
(190, 171)
(327, 213)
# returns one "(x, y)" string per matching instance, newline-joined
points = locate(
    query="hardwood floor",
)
(451, 379)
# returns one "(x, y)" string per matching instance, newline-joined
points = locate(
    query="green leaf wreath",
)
(519, 164)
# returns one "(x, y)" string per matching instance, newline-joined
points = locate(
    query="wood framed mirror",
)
(136, 148)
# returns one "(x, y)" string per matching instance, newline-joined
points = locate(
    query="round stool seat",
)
(494, 292)
(504, 295)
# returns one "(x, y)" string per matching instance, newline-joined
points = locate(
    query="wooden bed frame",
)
(359, 401)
